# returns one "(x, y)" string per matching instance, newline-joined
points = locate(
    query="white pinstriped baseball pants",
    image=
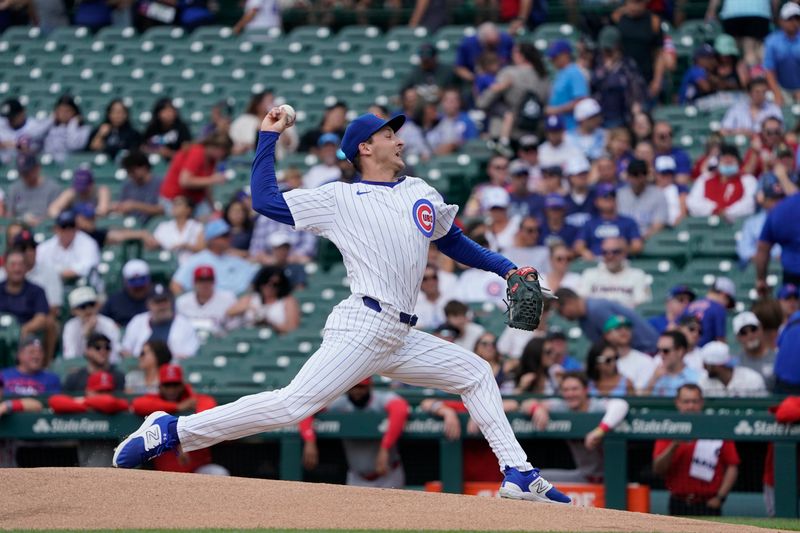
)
(359, 342)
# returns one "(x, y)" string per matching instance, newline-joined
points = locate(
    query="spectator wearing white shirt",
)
(725, 191)
(244, 128)
(756, 352)
(557, 150)
(614, 279)
(71, 252)
(67, 132)
(526, 249)
(205, 306)
(642, 201)
(16, 129)
(590, 137)
(746, 116)
(747, 239)
(725, 378)
(160, 322)
(259, 15)
(431, 301)
(327, 170)
(86, 320)
(181, 235)
(674, 194)
(502, 228)
(633, 364)
(457, 315)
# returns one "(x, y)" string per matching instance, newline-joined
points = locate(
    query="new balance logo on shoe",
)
(539, 485)
(152, 437)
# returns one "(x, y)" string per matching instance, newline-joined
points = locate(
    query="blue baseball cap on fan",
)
(363, 128)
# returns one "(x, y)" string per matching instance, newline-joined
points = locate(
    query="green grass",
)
(790, 524)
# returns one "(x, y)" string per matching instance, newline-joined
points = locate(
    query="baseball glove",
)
(525, 299)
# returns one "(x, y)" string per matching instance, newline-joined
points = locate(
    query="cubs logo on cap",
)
(424, 217)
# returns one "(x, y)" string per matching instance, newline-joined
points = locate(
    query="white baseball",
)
(290, 114)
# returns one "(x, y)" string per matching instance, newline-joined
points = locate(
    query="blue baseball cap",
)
(554, 123)
(217, 228)
(789, 290)
(555, 201)
(680, 290)
(559, 47)
(328, 138)
(363, 128)
(603, 190)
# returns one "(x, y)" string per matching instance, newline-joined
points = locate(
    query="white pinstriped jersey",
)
(382, 231)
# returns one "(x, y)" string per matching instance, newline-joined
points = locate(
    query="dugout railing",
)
(642, 424)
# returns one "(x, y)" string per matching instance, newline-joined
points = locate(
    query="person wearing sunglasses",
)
(86, 319)
(755, 353)
(526, 249)
(98, 358)
(614, 279)
(671, 373)
(765, 145)
(601, 368)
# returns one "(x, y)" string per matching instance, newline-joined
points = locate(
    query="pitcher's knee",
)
(483, 376)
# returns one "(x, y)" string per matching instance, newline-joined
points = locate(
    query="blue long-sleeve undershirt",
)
(267, 197)
(461, 248)
(268, 200)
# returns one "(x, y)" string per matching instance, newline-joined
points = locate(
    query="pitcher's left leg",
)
(427, 361)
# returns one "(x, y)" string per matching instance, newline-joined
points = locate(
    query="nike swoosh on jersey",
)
(359, 193)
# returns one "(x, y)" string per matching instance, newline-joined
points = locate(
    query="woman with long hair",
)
(537, 369)
(559, 274)
(116, 133)
(166, 133)
(241, 225)
(486, 348)
(270, 304)
(144, 380)
(604, 378)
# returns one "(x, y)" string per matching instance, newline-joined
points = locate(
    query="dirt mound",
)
(89, 498)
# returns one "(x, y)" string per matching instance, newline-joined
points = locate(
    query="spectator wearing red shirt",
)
(728, 191)
(194, 171)
(99, 397)
(764, 147)
(698, 474)
(175, 396)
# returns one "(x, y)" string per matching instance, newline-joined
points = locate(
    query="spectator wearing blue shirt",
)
(453, 128)
(593, 313)
(711, 311)
(608, 223)
(29, 378)
(747, 240)
(662, 142)
(787, 364)
(789, 300)
(26, 301)
(672, 372)
(556, 340)
(524, 202)
(697, 81)
(233, 273)
(782, 55)
(554, 227)
(569, 85)
(488, 39)
(678, 298)
(781, 227)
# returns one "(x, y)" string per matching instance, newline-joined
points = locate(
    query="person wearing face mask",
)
(725, 191)
(370, 463)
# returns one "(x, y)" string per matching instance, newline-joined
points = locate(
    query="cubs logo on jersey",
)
(424, 217)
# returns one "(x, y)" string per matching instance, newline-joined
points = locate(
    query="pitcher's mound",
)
(95, 498)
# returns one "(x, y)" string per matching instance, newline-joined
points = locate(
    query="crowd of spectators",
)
(581, 172)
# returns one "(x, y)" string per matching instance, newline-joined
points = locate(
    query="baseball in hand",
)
(290, 114)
